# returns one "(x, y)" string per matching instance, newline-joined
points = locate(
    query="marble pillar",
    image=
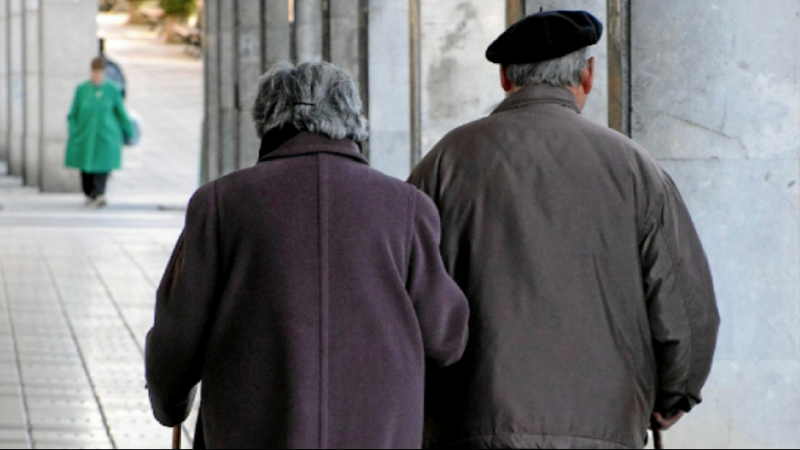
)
(309, 30)
(716, 98)
(228, 78)
(249, 70)
(344, 40)
(16, 41)
(32, 167)
(66, 54)
(212, 146)
(4, 83)
(457, 83)
(277, 44)
(390, 87)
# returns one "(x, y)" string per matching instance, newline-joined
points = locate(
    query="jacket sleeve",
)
(681, 302)
(186, 300)
(441, 307)
(425, 176)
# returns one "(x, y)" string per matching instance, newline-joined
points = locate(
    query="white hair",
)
(561, 72)
(317, 98)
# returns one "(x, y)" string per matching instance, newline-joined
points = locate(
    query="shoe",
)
(90, 201)
(100, 203)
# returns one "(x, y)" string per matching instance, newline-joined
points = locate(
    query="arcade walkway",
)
(77, 287)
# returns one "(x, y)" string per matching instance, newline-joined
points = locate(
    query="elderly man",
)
(593, 306)
(308, 292)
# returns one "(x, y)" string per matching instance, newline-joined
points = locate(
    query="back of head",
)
(550, 47)
(99, 64)
(317, 98)
(560, 72)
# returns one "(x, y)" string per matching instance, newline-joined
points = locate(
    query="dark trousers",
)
(94, 184)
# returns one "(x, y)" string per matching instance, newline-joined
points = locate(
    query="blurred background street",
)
(77, 286)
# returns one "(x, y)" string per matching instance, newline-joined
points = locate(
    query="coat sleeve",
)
(122, 116)
(441, 307)
(72, 119)
(185, 303)
(682, 307)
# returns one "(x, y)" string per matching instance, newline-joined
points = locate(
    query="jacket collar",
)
(537, 95)
(305, 144)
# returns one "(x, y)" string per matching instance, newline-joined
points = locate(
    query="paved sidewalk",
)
(165, 89)
(77, 287)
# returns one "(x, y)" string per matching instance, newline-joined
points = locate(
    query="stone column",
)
(309, 30)
(250, 69)
(515, 11)
(389, 87)
(458, 84)
(597, 106)
(228, 78)
(4, 82)
(32, 173)
(212, 147)
(344, 39)
(16, 40)
(277, 33)
(619, 65)
(243, 39)
(716, 98)
(66, 54)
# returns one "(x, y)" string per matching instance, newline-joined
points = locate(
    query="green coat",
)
(98, 124)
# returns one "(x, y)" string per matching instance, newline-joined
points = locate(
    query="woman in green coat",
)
(98, 126)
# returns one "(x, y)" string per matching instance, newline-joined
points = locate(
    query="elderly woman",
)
(98, 126)
(306, 293)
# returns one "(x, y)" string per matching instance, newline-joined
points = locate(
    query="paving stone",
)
(13, 435)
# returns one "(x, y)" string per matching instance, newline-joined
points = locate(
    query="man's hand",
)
(667, 424)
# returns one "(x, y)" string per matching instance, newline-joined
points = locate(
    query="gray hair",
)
(561, 72)
(317, 98)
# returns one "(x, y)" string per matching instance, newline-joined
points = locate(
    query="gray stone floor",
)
(77, 287)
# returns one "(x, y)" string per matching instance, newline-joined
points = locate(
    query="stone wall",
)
(597, 106)
(716, 98)
(458, 85)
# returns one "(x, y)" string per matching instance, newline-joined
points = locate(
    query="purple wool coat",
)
(309, 296)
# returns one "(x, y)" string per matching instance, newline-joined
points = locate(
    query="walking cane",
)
(177, 435)
(658, 436)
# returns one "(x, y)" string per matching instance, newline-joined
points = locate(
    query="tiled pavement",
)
(77, 286)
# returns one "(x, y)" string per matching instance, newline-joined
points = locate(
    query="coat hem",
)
(529, 438)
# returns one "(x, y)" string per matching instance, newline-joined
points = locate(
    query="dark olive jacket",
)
(592, 300)
(306, 294)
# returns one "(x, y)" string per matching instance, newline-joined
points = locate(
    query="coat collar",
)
(305, 144)
(539, 94)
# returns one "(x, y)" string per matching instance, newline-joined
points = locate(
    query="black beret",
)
(545, 36)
